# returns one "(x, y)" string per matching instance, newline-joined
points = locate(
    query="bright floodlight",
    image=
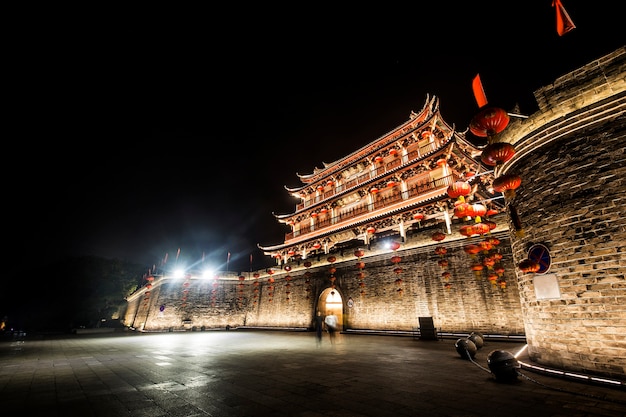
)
(207, 273)
(179, 273)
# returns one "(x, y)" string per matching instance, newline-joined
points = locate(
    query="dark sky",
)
(133, 133)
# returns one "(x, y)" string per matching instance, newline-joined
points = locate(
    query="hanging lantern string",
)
(490, 199)
(483, 173)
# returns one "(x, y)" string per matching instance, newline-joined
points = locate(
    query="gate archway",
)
(330, 301)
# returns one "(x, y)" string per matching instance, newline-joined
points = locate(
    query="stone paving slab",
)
(277, 373)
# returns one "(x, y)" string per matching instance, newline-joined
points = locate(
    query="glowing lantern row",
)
(470, 210)
(474, 229)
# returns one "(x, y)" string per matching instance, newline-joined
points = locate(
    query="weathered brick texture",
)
(571, 200)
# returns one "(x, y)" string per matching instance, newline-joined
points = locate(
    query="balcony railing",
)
(413, 193)
(367, 175)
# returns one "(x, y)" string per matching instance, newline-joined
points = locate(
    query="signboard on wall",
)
(546, 287)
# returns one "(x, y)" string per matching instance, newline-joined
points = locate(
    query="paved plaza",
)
(278, 373)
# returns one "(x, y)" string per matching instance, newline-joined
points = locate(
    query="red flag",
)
(479, 92)
(564, 23)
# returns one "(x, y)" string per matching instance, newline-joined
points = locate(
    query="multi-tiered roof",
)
(395, 183)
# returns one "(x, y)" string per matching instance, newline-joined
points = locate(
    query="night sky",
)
(133, 133)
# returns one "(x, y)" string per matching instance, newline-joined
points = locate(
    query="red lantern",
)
(397, 270)
(332, 270)
(440, 250)
(459, 189)
(287, 268)
(478, 269)
(358, 253)
(438, 236)
(396, 259)
(446, 275)
(467, 230)
(528, 266)
(471, 249)
(316, 246)
(497, 153)
(481, 228)
(443, 263)
(489, 262)
(418, 216)
(241, 278)
(489, 121)
(507, 184)
(371, 230)
(394, 246)
(256, 275)
(491, 225)
(374, 190)
(360, 265)
(485, 245)
(307, 264)
(331, 259)
(463, 210)
(478, 210)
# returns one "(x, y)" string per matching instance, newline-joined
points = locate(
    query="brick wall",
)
(573, 169)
